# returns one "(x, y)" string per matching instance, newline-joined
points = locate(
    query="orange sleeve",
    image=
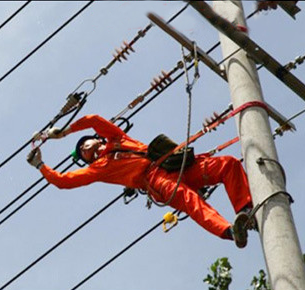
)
(100, 125)
(80, 177)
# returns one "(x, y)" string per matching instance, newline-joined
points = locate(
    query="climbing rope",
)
(189, 87)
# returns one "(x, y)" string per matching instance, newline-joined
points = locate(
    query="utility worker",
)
(118, 159)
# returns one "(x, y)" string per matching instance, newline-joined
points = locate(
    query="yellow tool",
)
(169, 218)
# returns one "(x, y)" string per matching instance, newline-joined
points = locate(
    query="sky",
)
(34, 93)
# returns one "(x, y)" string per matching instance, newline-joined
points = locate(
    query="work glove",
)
(55, 133)
(34, 158)
(51, 133)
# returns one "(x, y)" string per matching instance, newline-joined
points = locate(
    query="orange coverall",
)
(135, 171)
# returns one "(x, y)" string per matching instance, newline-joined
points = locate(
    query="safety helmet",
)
(76, 153)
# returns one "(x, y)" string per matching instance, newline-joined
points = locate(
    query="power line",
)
(45, 41)
(30, 187)
(119, 254)
(31, 197)
(61, 242)
(14, 14)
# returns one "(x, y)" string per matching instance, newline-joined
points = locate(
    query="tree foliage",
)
(260, 282)
(221, 276)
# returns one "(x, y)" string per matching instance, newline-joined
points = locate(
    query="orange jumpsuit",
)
(135, 171)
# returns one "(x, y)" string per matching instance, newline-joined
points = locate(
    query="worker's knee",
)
(231, 162)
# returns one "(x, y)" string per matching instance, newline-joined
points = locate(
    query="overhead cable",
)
(31, 197)
(30, 187)
(14, 14)
(118, 254)
(61, 241)
(45, 41)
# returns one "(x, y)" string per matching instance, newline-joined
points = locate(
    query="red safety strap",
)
(223, 146)
(210, 127)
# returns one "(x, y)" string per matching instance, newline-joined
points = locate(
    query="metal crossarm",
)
(252, 48)
(188, 44)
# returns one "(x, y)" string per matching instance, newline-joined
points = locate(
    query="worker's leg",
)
(224, 169)
(161, 185)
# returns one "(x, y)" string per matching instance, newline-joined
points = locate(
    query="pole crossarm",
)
(211, 63)
(252, 48)
(188, 44)
(290, 7)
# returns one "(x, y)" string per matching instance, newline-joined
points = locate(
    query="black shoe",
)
(252, 222)
(239, 230)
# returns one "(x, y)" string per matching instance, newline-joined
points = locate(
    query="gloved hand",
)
(55, 133)
(51, 133)
(34, 158)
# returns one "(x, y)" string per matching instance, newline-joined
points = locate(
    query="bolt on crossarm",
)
(277, 230)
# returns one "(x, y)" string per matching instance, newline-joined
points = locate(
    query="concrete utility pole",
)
(279, 239)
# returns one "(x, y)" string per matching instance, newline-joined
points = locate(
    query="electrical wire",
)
(119, 254)
(45, 41)
(61, 241)
(14, 14)
(31, 187)
(31, 197)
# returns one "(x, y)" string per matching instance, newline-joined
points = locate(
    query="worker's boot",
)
(252, 222)
(239, 228)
